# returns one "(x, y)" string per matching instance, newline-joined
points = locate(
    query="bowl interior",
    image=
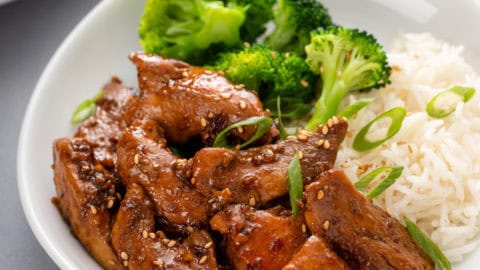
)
(98, 48)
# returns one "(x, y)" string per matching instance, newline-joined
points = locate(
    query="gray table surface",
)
(30, 32)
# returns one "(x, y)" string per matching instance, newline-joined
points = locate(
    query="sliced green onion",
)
(263, 124)
(292, 108)
(281, 127)
(440, 260)
(466, 93)
(85, 109)
(361, 143)
(295, 182)
(354, 108)
(388, 180)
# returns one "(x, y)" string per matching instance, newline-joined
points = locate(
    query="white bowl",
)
(98, 48)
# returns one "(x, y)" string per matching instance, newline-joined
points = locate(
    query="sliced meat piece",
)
(259, 175)
(362, 234)
(256, 239)
(316, 254)
(190, 102)
(140, 246)
(85, 175)
(143, 158)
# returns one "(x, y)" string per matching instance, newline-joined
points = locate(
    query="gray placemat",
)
(30, 32)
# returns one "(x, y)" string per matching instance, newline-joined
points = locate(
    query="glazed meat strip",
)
(316, 254)
(85, 174)
(259, 175)
(143, 158)
(140, 246)
(190, 102)
(258, 239)
(362, 234)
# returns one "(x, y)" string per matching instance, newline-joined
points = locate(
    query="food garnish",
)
(387, 181)
(263, 124)
(465, 93)
(295, 182)
(440, 260)
(281, 127)
(354, 108)
(361, 143)
(85, 109)
(347, 60)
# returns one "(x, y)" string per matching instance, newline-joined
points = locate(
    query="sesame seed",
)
(320, 195)
(335, 120)
(289, 137)
(203, 122)
(287, 55)
(252, 201)
(125, 263)
(320, 142)
(239, 86)
(410, 149)
(210, 115)
(172, 243)
(321, 70)
(226, 95)
(246, 44)
(345, 164)
(344, 119)
(93, 210)
(203, 259)
(240, 129)
(208, 72)
(304, 228)
(166, 241)
(243, 105)
(185, 74)
(160, 234)
(221, 72)
(111, 262)
(339, 73)
(152, 235)
(189, 228)
(324, 130)
(389, 211)
(274, 55)
(144, 234)
(326, 224)
(326, 145)
(302, 137)
(304, 83)
(208, 245)
(136, 159)
(124, 255)
(300, 155)
(119, 196)
(110, 203)
(194, 180)
(330, 122)
(237, 147)
(158, 263)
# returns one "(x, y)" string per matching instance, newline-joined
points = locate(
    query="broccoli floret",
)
(271, 74)
(190, 30)
(259, 12)
(348, 60)
(294, 20)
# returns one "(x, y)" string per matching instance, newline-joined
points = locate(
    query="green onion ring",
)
(393, 174)
(295, 182)
(361, 143)
(440, 260)
(466, 93)
(263, 124)
(85, 109)
(354, 108)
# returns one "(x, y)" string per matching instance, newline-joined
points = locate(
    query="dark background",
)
(30, 32)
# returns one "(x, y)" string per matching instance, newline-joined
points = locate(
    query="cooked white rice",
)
(440, 185)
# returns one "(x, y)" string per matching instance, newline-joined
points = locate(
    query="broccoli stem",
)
(327, 105)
